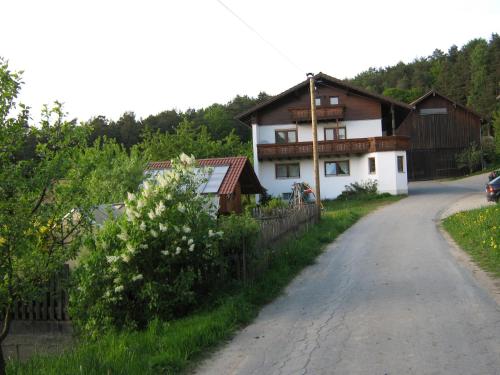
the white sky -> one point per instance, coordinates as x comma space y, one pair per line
106, 57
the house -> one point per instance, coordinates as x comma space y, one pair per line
228, 179
356, 134
439, 128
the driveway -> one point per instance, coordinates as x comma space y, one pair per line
388, 297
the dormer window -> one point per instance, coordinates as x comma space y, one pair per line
317, 101
334, 100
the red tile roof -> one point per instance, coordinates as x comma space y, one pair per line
240, 169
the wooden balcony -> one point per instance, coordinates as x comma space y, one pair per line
303, 150
322, 113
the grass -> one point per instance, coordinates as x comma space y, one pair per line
478, 233
173, 347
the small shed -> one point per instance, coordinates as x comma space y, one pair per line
233, 176
439, 128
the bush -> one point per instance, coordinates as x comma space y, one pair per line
151, 262
469, 158
357, 190
238, 243
276, 203
488, 149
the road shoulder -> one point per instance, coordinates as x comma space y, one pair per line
485, 279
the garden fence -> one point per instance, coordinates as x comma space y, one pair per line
52, 306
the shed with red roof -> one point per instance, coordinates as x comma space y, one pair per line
234, 176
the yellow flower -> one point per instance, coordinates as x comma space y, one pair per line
2, 241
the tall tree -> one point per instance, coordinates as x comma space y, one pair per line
481, 94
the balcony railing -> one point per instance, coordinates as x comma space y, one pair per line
330, 148
322, 113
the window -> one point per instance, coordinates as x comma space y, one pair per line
332, 134
286, 196
337, 168
334, 100
433, 111
317, 101
286, 136
371, 165
401, 161
287, 170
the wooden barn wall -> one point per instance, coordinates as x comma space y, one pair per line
356, 107
436, 139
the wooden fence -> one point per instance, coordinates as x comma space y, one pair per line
276, 223
52, 306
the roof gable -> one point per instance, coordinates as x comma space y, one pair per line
433, 92
320, 77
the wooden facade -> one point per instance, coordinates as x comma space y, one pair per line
293, 105
439, 128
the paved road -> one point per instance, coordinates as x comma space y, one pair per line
387, 297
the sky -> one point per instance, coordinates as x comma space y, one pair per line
106, 57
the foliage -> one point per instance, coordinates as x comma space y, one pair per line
469, 158
238, 244
478, 233
404, 95
488, 149
359, 190
216, 121
107, 171
496, 129
170, 347
276, 203
151, 261
36, 233
469, 75
192, 140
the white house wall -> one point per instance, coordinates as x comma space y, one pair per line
332, 186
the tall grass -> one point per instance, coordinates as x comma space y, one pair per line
172, 347
478, 233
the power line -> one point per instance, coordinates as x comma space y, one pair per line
276, 49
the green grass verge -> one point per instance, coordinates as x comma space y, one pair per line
478, 233
171, 347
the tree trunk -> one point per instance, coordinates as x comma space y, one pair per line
3, 334
2, 361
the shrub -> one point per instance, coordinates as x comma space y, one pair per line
238, 243
488, 149
151, 262
357, 190
276, 203
469, 158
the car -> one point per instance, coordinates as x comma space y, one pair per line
493, 175
493, 190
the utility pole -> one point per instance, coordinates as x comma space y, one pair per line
314, 123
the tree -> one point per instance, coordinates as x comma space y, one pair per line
192, 140
496, 129
36, 233
481, 94
153, 261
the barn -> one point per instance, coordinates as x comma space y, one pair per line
439, 128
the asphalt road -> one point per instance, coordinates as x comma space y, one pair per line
388, 297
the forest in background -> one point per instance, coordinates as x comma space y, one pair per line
470, 75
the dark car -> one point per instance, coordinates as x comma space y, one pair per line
494, 175
493, 190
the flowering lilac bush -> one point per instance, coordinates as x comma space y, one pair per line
153, 261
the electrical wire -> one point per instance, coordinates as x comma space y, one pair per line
276, 49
